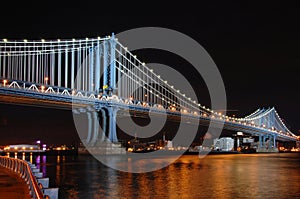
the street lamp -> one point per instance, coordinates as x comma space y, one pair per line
4, 82
46, 80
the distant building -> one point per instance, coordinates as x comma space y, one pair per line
223, 144
22, 148
169, 144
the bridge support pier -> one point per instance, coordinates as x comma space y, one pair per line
112, 124
102, 137
89, 131
267, 145
265, 142
274, 141
95, 128
260, 141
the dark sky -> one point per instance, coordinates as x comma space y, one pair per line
254, 45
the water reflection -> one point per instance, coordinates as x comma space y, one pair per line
30, 158
219, 176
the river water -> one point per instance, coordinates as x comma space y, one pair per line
215, 176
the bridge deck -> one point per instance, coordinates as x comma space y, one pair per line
12, 186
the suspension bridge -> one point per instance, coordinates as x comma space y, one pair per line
103, 74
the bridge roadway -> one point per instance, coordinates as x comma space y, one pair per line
40, 99
12, 186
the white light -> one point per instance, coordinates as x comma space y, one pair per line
99, 38
43, 40
158, 76
172, 86
25, 40
178, 91
58, 40
5, 40
86, 39
125, 48
151, 70
74, 39
134, 56
143, 64
166, 82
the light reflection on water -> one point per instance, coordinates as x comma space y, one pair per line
215, 176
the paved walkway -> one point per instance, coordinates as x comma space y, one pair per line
12, 186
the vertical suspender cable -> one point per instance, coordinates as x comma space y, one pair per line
37, 66
91, 67
119, 75
52, 66
73, 65
66, 67
25, 62
79, 68
59, 67
1, 66
4, 63
97, 68
86, 66
8, 57
41, 76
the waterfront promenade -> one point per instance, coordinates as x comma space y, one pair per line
12, 186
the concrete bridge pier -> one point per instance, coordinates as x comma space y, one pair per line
95, 124
89, 130
102, 137
112, 124
96, 134
267, 143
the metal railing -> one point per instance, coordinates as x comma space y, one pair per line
22, 168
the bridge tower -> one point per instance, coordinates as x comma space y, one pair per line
109, 70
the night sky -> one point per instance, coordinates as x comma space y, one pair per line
255, 46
